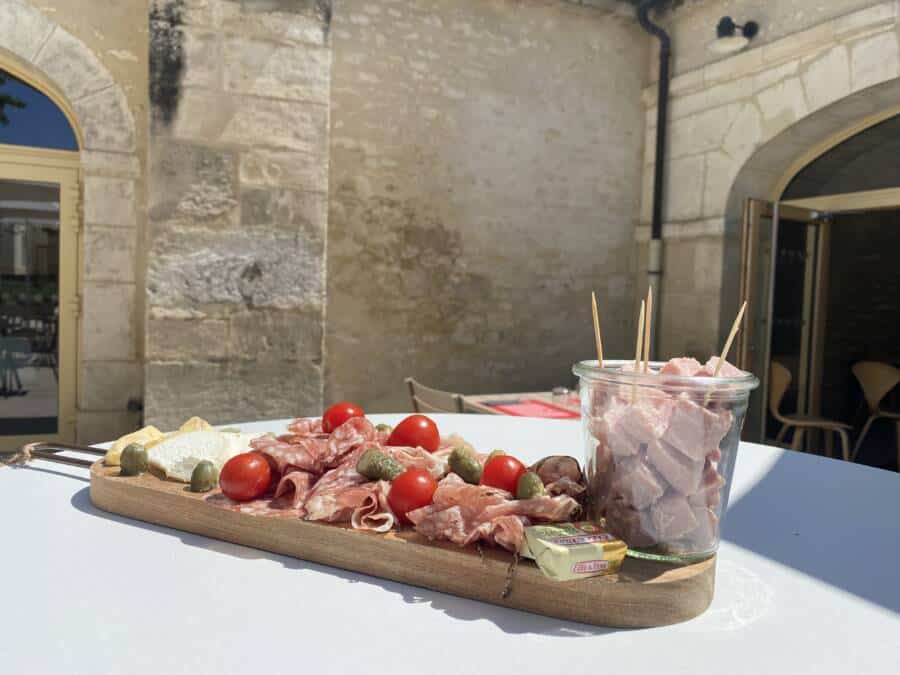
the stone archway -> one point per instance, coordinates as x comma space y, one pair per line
67, 70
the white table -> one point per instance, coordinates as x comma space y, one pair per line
807, 583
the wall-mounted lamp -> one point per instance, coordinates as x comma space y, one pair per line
730, 37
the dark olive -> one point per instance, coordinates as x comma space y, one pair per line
204, 477
133, 461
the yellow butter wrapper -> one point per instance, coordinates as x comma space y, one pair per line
566, 551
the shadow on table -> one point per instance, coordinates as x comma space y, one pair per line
837, 522
508, 620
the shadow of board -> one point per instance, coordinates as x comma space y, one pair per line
510, 621
834, 521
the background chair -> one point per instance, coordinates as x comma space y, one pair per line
779, 381
426, 399
877, 380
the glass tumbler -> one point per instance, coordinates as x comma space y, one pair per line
659, 455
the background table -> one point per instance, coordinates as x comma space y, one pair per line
479, 403
807, 583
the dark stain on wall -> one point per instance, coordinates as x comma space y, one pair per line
166, 59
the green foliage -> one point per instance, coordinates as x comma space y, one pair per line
7, 100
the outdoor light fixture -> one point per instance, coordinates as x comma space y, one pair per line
730, 37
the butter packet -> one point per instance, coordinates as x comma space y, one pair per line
566, 551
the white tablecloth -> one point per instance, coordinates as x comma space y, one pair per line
807, 582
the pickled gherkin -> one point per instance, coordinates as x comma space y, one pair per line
529, 485
464, 464
376, 465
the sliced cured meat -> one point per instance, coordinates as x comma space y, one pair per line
293, 488
419, 458
256, 507
454, 441
351, 434
374, 513
464, 513
306, 427
561, 475
305, 454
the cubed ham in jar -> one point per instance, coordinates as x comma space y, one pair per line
681, 366
672, 517
679, 471
636, 484
632, 526
694, 430
710, 487
727, 370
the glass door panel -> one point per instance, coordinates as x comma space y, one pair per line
29, 307
38, 299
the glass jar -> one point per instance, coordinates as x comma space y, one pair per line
659, 454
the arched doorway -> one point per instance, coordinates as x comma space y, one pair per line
39, 261
818, 262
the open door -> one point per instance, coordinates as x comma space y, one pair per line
783, 258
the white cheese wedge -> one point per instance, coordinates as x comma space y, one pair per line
179, 454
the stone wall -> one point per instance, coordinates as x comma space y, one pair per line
100, 70
484, 179
239, 156
736, 127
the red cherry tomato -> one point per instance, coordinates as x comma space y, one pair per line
411, 490
416, 431
503, 472
339, 413
245, 476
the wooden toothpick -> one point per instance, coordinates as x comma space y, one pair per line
597, 329
647, 323
735, 327
637, 348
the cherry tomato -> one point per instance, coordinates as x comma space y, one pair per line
416, 431
411, 490
339, 413
245, 476
503, 471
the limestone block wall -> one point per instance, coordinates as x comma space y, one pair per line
101, 71
485, 161
736, 126
239, 164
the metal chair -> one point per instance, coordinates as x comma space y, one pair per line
877, 380
426, 399
779, 381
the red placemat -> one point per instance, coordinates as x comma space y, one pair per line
531, 407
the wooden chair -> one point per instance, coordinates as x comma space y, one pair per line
877, 380
426, 399
779, 381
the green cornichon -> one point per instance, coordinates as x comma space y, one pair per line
529, 485
133, 461
494, 453
204, 477
384, 427
463, 463
375, 465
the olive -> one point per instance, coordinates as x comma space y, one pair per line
376, 465
384, 427
529, 485
133, 460
494, 453
464, 464
204, 477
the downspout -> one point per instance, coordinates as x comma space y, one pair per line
654, 264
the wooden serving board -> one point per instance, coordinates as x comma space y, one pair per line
642, 594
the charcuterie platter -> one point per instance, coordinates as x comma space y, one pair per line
642, 594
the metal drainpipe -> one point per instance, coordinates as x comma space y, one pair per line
654, 264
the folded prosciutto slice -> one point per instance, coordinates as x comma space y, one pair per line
419, 458
464, 513
293, 488
374, 513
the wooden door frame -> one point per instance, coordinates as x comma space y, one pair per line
61, 168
